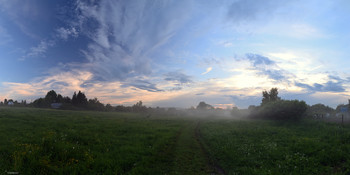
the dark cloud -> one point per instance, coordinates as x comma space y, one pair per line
335, 84
258, 60
142, 84
268, 67
330, 86
338, 79
118, 96
58, 84
278, 75
178, 88
178, 77
87, 84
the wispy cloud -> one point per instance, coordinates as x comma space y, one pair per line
207, 70
5, 37
178, 77
39, 50
142, 84
23, 14
125, 33
65, 33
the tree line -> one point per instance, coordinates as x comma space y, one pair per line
78, 101
275, 108
271, 107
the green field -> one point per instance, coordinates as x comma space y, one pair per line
44, 141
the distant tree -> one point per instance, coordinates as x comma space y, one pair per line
270, 96
266, 97
138, 104
235, 108
66, 100
281, 110
51, 97
81, 99
252, 107
121, 108
109, 107
159, 110
59, 98
40, 103
338, 109
235, 111
74, 99
138, 107
5, 102
94, 104
172, 111
203, 106
319, 109
272, 107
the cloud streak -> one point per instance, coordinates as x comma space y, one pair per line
125, 33
178, 77
5, 37
207, 71
39, 50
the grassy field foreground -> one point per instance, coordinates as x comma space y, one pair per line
43, 141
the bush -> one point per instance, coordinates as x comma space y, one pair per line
319, 109
281, 110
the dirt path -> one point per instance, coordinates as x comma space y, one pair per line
190, 155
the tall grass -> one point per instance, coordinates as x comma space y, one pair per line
37, 141
265, 147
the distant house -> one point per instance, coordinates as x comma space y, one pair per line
10, 103
56, 105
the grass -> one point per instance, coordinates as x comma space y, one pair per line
45, 141
37, 141
265, 147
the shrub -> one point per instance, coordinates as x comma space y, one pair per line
281, 110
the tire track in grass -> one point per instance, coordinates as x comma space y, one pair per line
213, 163
163, 161
190, 155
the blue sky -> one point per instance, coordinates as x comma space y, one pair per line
176, 53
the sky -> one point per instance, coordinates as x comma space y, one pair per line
176, 53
